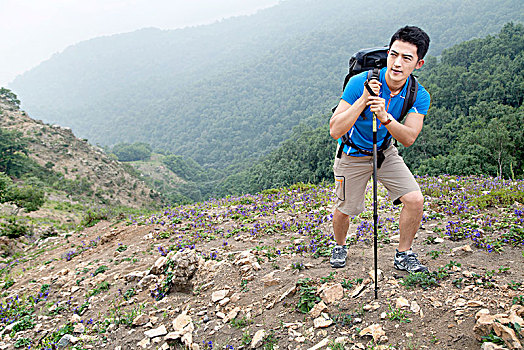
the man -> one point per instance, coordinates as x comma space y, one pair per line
353, 118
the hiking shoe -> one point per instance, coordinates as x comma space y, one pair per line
338, 256
408, 261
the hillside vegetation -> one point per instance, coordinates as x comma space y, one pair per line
51, 181
227, 93
253, 272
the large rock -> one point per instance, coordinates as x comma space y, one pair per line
508, 335
182, 265
487, 323
332, 293
375, 330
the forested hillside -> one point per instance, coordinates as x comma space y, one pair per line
474, 125
227, 93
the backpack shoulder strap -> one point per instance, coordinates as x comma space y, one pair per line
411, 96
409, 100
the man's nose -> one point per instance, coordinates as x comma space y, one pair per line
397, 61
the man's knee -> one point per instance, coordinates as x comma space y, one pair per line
413, 200
338, 215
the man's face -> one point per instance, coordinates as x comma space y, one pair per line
402, 60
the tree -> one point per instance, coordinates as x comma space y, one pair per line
25, 196
13, 149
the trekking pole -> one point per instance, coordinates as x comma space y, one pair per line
375, 209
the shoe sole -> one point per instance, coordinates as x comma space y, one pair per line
402, 268
337, 265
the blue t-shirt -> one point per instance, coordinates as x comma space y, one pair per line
361, 133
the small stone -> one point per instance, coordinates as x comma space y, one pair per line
475, 303
318, 309
66, 340
491, 346
480, 313
414, 307
462, 249
156, 332
144, 343
159, 266
258, 338
181, 322
379, 273
401, 302
76, 318
357, 290
219, 295
321, 344
270, 280
322, 322
140, 320
508, 335
79, 328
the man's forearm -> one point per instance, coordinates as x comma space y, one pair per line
343, 120
405, 133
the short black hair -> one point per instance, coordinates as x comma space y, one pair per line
413, 35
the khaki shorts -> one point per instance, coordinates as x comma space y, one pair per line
353, 173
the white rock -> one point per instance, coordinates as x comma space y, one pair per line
401, 302
323, 342
414, 307
219, 295
258, 338
156, 332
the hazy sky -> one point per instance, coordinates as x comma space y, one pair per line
33, 30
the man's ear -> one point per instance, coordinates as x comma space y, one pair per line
420, 63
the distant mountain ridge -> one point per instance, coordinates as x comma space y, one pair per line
239, 86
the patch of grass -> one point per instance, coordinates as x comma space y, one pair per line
24, 323
101, 287
131, 292
421, 279
519, 299
307, 295
348, 284
121, 248
328, 278
246, 338
395, 314
100, 269
22, 343
270, 340
240, 323
498, 197
434, 254
298, 266
343, 319
514, 285
492, 338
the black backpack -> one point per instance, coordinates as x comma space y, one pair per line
372, 60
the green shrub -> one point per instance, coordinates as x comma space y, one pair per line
15, 228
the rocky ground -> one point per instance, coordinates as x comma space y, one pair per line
253, 272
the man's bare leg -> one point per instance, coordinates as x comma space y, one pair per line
409, 223
340, 229
340, 226
410, 218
